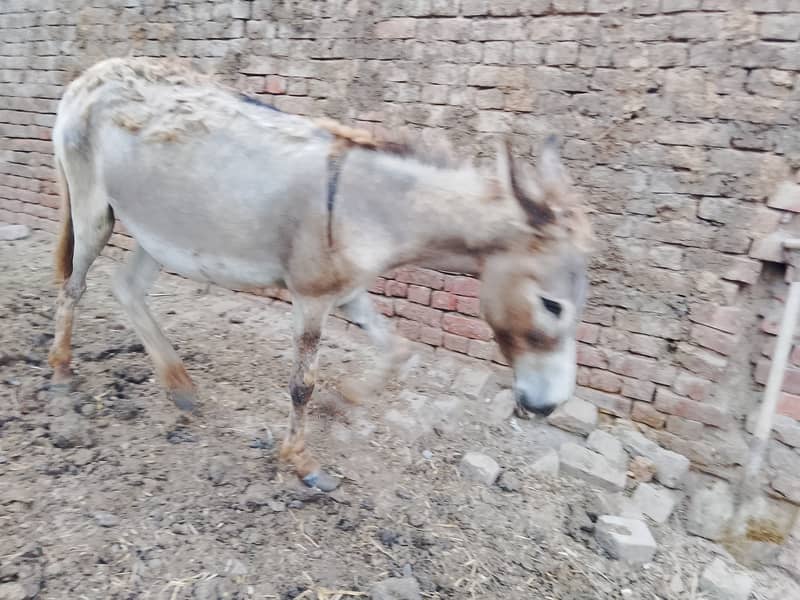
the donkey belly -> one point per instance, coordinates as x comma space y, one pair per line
210, 210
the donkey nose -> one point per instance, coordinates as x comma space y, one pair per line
536, 404
542, 410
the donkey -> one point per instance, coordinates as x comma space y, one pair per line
219, 187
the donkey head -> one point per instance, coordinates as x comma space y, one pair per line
534, 291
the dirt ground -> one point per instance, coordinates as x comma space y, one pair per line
104, 494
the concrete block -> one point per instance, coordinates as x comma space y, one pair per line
671, 467
575, 415
718, 582
710, 510
10, 233
548, 464
607, 445
473, 382
592, 467
655, 501
629, 540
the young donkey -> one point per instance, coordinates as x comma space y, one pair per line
218, 187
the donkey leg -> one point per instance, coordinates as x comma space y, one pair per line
309, 317
394, 351
131, 284
90, 236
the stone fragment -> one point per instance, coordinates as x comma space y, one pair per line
70, 431
479, 467
105, 519
590, 466
655, 502
575, 415
607, 445
629, 540
257, 494
396, 588
718, 582
473, 382
502, 407
710, 510
547, 464
616, 504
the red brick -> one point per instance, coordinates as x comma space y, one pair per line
605, 381
791, 378
713, 339
468, 306
789, 405
637, 389
614, 339
647, 345
384, 305
701, 362
417, 312
419, 294
588, 333
479, 349
469, 327
378, 286
396, 289
609, 403
274, 84
424, 277
444, 300
456, 343
685, 428
644, 412
600, 315
397, 28
582, 376
430, 335
630, 365
498, 357
692, 386
744, 270
724, 318
795, 358
590, 356
462, 286
673, 404
408, 329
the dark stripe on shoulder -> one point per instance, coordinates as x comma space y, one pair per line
257, 102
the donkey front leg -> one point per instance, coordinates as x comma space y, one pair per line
130, 287
394, 352
309, 317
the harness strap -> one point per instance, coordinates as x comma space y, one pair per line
335, 162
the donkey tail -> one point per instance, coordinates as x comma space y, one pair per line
66, 235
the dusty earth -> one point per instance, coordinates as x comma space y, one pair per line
104, 493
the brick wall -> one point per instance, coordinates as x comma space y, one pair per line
680, 120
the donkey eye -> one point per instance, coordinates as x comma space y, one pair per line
552, 306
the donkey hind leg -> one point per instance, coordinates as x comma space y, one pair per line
309, 317
131, 284
91, 233
394, 352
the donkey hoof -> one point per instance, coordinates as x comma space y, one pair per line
184, 400
322, 481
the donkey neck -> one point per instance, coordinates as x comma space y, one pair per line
442, 218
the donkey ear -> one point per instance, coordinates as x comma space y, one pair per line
523, 187
505, 163
552, 174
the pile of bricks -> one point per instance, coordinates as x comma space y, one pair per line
679, 121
